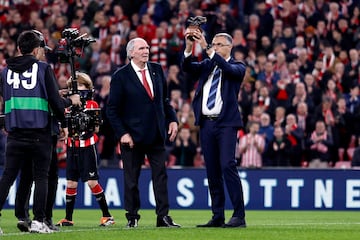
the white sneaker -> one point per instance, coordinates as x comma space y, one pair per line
1, 232
39, 227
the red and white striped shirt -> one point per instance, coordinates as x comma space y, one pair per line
83, 142
251, 156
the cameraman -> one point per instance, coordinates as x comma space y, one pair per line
25, 183
30, 93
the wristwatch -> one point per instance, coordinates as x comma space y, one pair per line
208, 47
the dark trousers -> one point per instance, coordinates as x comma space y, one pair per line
34, 152
24, 188
133, 158
218, 146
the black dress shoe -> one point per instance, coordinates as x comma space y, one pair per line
166, 221
212, 223
132, 223
235, 222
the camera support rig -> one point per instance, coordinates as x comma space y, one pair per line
69, 46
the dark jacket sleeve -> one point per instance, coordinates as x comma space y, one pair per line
114, 107
56, 102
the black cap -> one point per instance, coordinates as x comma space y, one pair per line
42, 40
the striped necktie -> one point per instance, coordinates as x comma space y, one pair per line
213, 88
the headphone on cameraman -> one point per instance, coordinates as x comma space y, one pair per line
42, 40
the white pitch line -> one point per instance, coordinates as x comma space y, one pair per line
115, 228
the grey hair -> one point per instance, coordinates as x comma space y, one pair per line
130, 47
227, 36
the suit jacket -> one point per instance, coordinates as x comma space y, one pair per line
232, 75
131, 110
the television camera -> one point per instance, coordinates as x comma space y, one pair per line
84, 119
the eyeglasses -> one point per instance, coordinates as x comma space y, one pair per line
220, 45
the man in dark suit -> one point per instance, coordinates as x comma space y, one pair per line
138, 111
217, 112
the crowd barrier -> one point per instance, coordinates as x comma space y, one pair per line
264, 189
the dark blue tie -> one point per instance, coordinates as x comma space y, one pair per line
213, 89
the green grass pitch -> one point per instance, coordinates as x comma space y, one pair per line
267, 225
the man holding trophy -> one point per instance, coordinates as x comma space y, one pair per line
217, 113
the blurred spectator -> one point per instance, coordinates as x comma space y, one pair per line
311, 42
184, 12
282, 92
305, 65
103, 67
279, 148
300, 26
288, 39
299, 45
255, 114
146, 29
186, 118
99, 28
154, 9
113, 44
266, 130
239, 41
277, 30
184, 150
175, 36
332, 90
304, 119
265, 45
351, 70
265, 101
176, 100
269, 76
281, 66
342, 135
280, 115
265, 18
58, 27
175, 80
328, 59
158, 47
245, 99
333, 16
319, 145
295, 135
286, 12
327, 112
312, 90
252, 32
251, 147
223, 21
300, 96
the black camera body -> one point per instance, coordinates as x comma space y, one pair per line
82, 121
71, 44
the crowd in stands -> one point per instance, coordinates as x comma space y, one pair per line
299, 100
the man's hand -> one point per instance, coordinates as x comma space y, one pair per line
75, 100
127, 140
189, 43
173, 129
64, 133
